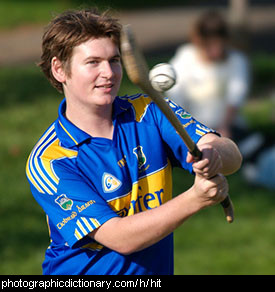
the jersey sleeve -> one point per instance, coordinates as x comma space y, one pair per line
177, 150
75, 209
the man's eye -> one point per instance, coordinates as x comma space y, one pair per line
93, 62
116, 60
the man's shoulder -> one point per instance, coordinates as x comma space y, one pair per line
40, 164
139, 98
137, 103
46, 137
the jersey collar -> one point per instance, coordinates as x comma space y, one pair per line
120, 105
70, 135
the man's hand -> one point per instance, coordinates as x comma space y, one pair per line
210, 164
210, 186
210, 192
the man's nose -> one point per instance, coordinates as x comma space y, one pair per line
106, 70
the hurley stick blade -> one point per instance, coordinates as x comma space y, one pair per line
138, 72
133, 60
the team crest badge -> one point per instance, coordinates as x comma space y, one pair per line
138, 151
64, 202
110, 183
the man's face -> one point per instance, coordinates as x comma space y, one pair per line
96, 73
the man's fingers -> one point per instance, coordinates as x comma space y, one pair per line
200, 165
209, 165
208, 170
219, 186
189, 158
222, 187
212, 169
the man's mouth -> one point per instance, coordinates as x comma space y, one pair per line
104, 86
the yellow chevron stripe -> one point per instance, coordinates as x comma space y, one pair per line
88, 225
39, 180
93, 246
81, 227
42, 174
95, 222
200, 132
54, 152
77, 234
30, 177
140, 106
29, 167
203, 128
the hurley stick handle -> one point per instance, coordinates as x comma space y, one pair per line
228, 209
226, 203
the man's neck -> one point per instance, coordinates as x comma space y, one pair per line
96, 121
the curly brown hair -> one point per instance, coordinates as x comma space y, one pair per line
69, 30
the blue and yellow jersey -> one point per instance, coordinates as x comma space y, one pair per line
82, 181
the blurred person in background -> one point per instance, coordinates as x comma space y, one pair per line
212, 77
213, 81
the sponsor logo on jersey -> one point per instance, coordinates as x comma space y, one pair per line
147, 193
138, 151
64, 202
110, 183
64, 221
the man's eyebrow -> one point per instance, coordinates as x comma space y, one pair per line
92, 58
100, 58
116, 56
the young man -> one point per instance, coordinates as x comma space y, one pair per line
102, 170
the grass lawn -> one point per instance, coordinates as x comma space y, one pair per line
205, 244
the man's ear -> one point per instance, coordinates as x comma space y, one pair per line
58, 70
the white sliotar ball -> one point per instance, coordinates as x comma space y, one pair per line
162, 77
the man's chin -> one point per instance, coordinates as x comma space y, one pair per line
105, 100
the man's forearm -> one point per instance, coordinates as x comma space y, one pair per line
230, 154
133, 233
228, 150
